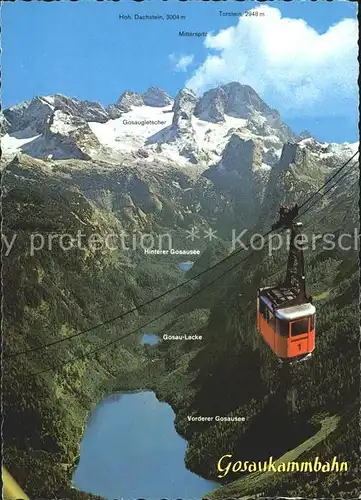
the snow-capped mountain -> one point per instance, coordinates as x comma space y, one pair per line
219, 155
186, 130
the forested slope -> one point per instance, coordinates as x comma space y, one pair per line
235, 374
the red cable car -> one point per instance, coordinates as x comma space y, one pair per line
285, 314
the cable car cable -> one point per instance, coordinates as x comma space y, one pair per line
163, 294
328, 190
126, 313
329, 180
118, 339
285, 262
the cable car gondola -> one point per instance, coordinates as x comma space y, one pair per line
285, 313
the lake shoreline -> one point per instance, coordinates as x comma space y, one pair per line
113, 403
137, 385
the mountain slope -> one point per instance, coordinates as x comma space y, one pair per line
234, 374
149, 165
53, 292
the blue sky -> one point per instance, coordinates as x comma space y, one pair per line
83, 50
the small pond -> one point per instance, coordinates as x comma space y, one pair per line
150, 339
185, 266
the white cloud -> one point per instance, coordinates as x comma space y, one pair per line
181, 63
293, 67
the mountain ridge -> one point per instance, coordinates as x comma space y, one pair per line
187, 129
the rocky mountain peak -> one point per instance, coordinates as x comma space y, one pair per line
35, 114
181, 131
241, 101
184, 105
129, 99
233, 99
4, 125
242, 155
32, 114
156, 97
211, 107
88, 111
293, 154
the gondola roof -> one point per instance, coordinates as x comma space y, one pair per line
278, 296
295, 312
